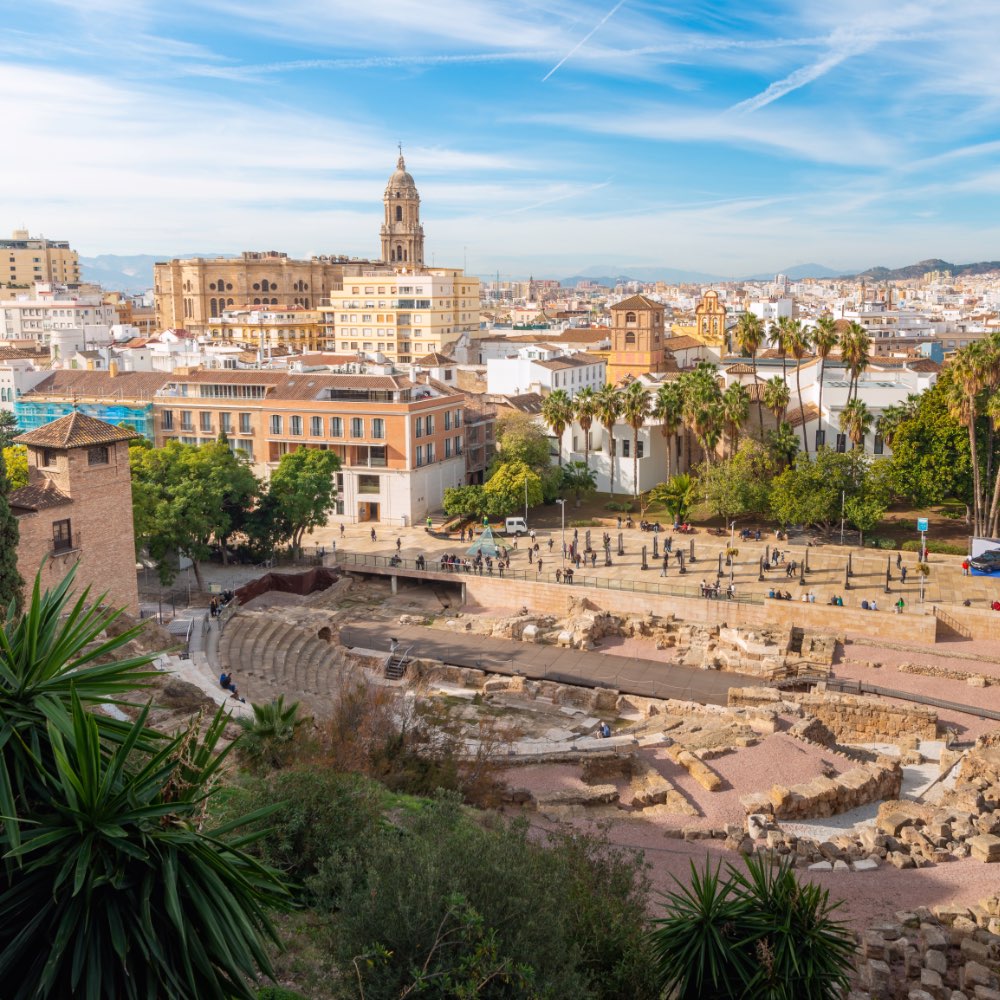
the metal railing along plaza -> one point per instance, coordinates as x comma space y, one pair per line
456, 571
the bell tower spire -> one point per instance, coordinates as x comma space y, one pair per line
402, 234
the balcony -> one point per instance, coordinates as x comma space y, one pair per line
65, 543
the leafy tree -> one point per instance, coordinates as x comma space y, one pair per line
520, 439
678, 495
303, 490
504, 491
557, 412
810, 491
739, 485
864, 512
8, 429
464, 501
578, 478
16, 460
931, 460
757, 934
636, 404
11, 584
112, 884
266, 741
184, 497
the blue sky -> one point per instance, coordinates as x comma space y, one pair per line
544, 137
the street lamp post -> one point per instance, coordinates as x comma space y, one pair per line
562, 506
525, 498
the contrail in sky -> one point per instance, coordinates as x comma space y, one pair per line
586, 38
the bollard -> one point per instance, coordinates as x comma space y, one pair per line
621, 544
767, 553
847, 577
805, 560
760, 571
691, 553
645, 565
719, 572
850, 564
888, 570
802, 574
656, 551
587, 539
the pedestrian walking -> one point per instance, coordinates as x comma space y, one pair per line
902, 574
539, 563
552, 542
531, 556
341, 531
666, 562
399, 543
373, 534
899, 560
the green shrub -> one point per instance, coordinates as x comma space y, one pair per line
620, 507
942, 548
442, 888
886, 544
587, 522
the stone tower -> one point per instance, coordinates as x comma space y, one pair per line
402, 235
710, 319
637, 336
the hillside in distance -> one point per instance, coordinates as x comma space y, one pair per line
919, 269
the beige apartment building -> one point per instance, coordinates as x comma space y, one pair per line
401, 444
265, 328
404, 314
26, 259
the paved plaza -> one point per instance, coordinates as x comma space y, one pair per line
825, 578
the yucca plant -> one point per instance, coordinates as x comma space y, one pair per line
47, 653
111, 886
119, 891
753, 935
267, 740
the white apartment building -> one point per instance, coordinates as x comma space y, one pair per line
772, 309
402, 316
33, 319
539, 368
17, 377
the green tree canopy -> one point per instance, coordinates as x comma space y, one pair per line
678, 495
504, 491
11, 583
303, 491
464, 501
578, 478
8, 429
809, 492
185, 497
16, 460
520, 439
739, 485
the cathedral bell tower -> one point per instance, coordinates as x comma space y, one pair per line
402, 235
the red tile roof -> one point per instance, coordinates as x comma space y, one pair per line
75, 430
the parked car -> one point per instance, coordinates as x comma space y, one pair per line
986, 562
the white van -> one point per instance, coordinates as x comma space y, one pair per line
515, 525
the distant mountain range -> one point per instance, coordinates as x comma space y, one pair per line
131, 272
922, 267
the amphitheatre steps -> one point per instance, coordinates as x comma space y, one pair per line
275, 656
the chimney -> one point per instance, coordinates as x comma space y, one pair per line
112, 368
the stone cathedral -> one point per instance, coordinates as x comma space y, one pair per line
402, 234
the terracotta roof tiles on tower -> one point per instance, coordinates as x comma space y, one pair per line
75, 430
637, 302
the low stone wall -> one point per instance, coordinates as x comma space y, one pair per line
828, 796
851, 718
972, 678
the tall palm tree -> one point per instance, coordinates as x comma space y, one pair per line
776, 397
668, 408
781, 336
702, 405
855, 421
893, 417
783, 443
854, 347
749, 336
585, 409
557, 412
609, 409
825, 339
636, 405
798, 342
968, 377
735, 410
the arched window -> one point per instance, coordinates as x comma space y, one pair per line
229, 302
399, 251
256, 302
629, 317
213, 305
399, 213
265, 285
392, 255
274, 302
404, 255
630, 340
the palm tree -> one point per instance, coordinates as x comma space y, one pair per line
678, 494
749, 336
825, 339
609, 409
776, 397
585, 409
783, 443
668, 408
266, 740
735, 410
968, 377
702, 405
893, 417
782, 336
855, 421
557, 412
798, 341
636, 405
578, 478
854, 346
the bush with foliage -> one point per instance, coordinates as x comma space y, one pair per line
568, 917
112, 884
940, 548
757, 934
267, 740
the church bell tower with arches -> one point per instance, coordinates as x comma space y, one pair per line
402, 234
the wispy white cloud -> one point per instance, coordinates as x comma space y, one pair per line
586, 38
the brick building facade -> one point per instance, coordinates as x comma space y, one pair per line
77, 507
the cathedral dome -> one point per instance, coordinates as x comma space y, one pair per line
401, 180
